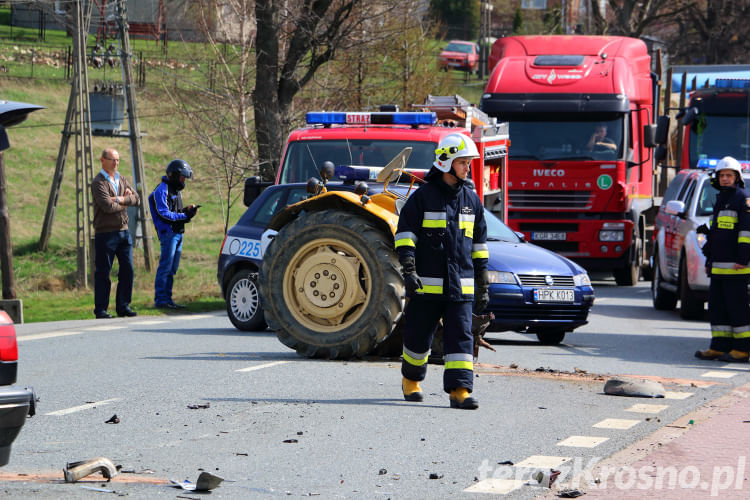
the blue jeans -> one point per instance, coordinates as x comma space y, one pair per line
107, 246
171, 250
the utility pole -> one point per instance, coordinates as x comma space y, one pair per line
135, 135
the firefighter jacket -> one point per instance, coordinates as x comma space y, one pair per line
167, 212
444, 230
729, 235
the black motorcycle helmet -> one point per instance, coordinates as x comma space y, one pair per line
176, 169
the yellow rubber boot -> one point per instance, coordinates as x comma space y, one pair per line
412, 390
460, 399
735, 356
709, 354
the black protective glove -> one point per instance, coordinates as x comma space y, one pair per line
481, 291
190, 212
412, 281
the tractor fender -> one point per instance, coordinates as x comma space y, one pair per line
338, 200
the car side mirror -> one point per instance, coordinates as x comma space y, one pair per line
253, 187
675, 207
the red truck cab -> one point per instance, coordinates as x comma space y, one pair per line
580, 110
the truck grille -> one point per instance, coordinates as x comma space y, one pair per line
546, 200
538, 280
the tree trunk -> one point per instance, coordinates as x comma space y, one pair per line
6, 249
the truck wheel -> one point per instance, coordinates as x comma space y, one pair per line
663, 300
331, 285
691, 307
551, 337
243, 302
628, 275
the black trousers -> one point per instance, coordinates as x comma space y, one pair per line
729, 313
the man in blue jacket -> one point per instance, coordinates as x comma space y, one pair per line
727, 252
441, 241
169, 218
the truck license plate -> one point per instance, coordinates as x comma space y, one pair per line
554, 236
553, 295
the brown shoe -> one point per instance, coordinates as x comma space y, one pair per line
709, 354
734, 356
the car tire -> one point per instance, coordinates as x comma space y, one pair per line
332, 247
663, 300
551, 337
243, 302
691, 307
628, 275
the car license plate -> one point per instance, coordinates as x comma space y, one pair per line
553, 295
454, 64
554, 236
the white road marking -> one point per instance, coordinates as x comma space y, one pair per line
260, 367
152, 322
201, 316
582, 441
715, 374
105, 328
496, 486
735, 366
82, 407
616, 423
542, 462
645, 408
677, 395
49, 335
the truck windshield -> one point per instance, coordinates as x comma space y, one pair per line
304, 158
713, 137
537, 136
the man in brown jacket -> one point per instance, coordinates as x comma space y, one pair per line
112, 194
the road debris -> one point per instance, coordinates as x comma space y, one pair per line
100, 490
382, 472
114, 419
570, 493
545, 478
634, 388
76, 470
435, 475
479, 325
206, 482
199, 406
290, 441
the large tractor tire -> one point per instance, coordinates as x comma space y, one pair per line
331, 285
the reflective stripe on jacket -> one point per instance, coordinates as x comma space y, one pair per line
445, 231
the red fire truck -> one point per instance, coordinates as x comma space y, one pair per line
580, 110
373, 138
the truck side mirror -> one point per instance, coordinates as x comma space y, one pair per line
649, 136
690, 115
660, 153
662, 129
253, 187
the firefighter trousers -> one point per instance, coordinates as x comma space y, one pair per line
422, 318
729, 313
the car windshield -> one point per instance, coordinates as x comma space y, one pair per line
714, 137
540, 136
497, 230
458, 47
304, 158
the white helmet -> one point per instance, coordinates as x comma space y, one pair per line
454, 146
729, 163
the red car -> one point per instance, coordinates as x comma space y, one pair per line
15, 403
460, 55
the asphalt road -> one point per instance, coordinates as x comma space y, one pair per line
273, 424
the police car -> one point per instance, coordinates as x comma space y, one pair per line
532, 290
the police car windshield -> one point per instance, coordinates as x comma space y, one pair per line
544, 136
714, 137
496, 230
304, 158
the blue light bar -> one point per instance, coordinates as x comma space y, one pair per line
732, 83
379, 118
712, 162
355, 173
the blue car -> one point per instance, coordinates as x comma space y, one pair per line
532, 290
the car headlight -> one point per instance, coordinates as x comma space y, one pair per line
582, 280
701, 239
502, 277
609, 235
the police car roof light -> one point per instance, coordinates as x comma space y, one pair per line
379, 118
712, 162
732, 83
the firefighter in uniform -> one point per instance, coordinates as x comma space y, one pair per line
727, 254
441, 241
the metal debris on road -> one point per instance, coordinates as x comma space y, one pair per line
114, 419
199, 406
206, 482
634, 388
435, 475
76, 470
570, 493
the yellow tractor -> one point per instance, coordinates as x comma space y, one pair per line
330, 281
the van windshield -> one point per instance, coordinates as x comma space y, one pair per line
713, 137
304, 158
593, 136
